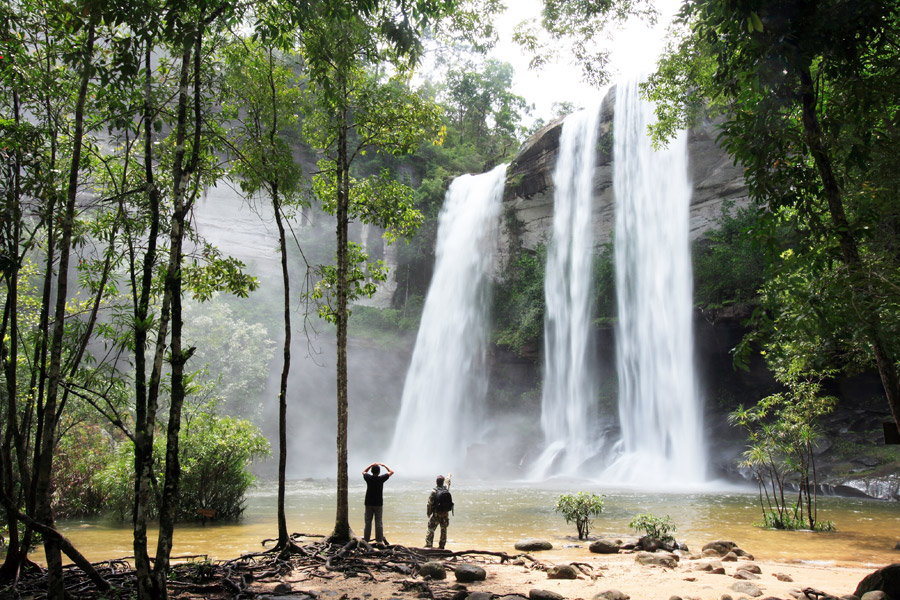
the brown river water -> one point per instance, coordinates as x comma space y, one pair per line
494, 515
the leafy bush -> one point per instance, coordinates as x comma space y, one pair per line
79, 458
654, 527
215, 455
728, 263
579, 508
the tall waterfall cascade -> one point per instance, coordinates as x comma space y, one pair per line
660, 410
567, 401
440, 413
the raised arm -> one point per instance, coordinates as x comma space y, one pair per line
389, 470
366, 470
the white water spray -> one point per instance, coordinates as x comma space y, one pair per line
567, 402
660, 411
446, 381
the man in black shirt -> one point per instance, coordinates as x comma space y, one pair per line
374, 500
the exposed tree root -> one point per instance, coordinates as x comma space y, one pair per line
252, 575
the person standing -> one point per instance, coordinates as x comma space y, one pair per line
440, 504
374, 499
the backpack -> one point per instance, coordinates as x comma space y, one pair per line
443, 501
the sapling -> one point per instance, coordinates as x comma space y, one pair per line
579, 508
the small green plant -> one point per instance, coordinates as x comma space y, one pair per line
654, 527
579, 508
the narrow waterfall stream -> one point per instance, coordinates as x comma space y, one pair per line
660, 410
567, 401
446, 381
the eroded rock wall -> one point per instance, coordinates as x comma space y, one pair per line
528, 198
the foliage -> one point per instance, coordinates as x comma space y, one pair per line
807, 94
655, 527
579, 508
782, 431
729, 264
574, 28
82, 454
519, 300
216, 454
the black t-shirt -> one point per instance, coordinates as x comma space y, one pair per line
374, 487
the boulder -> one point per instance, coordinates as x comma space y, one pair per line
720, 547
709, 566
663, 559
745, 587
730, 557
282, 588
604, 547
751, 568
533, 545
742, 553
875, 595
612, 595
480, 596
467, 573
562, 572
886, 579
512, 597
783, 577
742, 574
544, 595
433, 569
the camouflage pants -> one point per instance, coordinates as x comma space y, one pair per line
437, 518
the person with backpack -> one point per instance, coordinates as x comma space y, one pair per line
374, 500
440, 505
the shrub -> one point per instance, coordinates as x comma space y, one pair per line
215, 454
579, 508
654, 527
78, 459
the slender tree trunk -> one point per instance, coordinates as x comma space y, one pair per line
283, 537
48, 437
815, 139
145, 408
173, 288
342, 530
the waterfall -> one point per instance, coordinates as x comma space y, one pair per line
567, 401
446, 381
659, 408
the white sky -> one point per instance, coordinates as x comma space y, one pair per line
634, 49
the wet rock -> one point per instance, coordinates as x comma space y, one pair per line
720, 547
783, 577
604, 547
742, 553
663, 559
612, 595
562, 572
875, 595
433, 569
544, 595
745, 587
467, 573
886, 579
533, 545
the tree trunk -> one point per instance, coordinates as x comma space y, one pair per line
815, 139
283, 537
173, 288
342, 531
55, 588
145, 403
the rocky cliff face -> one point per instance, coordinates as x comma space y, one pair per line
528, 198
